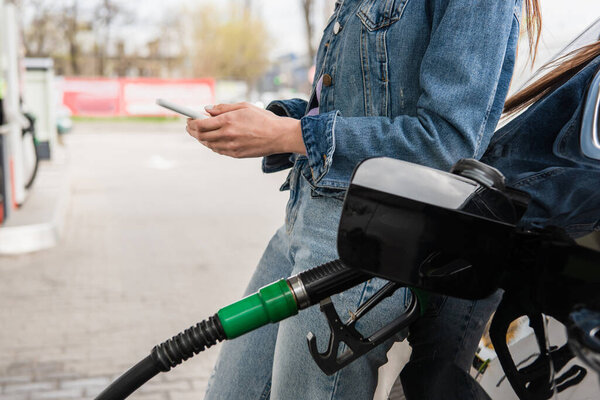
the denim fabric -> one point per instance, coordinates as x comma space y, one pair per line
422, 81
247, 364
273, 362
539, 153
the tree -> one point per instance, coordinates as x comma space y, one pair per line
71, 27
53, 30
43, 33
106, 14
307, 7
234, 47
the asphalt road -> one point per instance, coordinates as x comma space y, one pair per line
160, 233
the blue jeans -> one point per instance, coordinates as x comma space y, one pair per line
274, 362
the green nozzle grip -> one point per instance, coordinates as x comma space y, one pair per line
423, 297
271, 303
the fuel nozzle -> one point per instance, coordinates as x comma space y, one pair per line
270, 304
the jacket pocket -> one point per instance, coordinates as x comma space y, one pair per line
376, 14
317, 191
376, 19
536, 177
562, 196
567, 144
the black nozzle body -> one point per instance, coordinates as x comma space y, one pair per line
329, 279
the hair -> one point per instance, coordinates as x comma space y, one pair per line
561, 70
533, 20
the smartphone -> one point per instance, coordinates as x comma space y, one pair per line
180, 109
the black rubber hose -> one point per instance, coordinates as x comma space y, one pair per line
131, 380
165, 356
329, 279
31, 129
320, 282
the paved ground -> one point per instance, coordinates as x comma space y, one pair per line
159, 234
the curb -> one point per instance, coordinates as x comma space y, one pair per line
39, 222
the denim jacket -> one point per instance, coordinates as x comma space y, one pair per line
539, 152
419, 80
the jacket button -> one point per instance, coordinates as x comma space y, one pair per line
327, 80
336, 28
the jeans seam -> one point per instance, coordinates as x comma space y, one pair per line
336, 380
266, 393
337, 374
293, 206
464, 335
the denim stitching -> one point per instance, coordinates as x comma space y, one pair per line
465, 330
336, 381
388, 9
330, 136
338, 373
365, 69
293, 205
309, 140
537, 177
266, 394
385, 67
325, 56
364, 15
388, 18
490, 103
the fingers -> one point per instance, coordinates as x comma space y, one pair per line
219, 143
223, 108
206, 125
209, 137
208, 130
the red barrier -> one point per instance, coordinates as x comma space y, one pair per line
135, 96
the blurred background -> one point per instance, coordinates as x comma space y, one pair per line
118, 230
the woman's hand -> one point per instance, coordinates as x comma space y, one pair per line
242, 130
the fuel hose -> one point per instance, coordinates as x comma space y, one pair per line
272, 303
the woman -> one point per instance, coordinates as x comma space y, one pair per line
423, 81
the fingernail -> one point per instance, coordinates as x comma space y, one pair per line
209, 107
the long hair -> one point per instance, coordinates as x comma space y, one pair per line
533, 21
561, 71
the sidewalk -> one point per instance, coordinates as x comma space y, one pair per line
159, 234
38, 223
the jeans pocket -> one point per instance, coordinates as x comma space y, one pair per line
567, 144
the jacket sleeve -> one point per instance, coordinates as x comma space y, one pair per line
471, 44
293, 108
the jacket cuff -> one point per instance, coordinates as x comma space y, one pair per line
318, 133
294, 108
